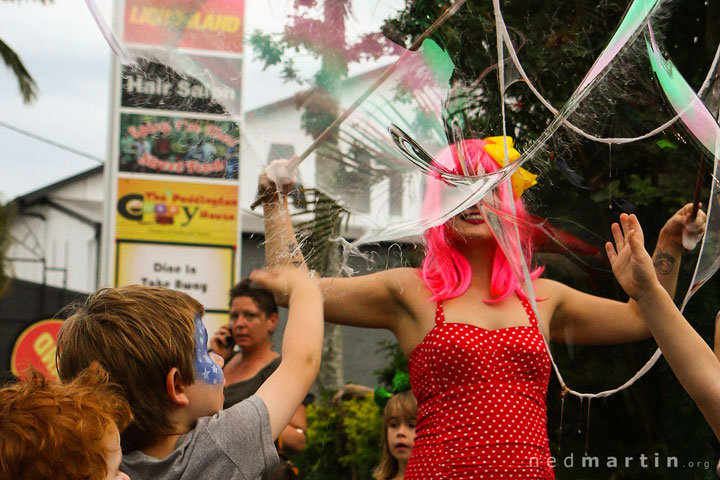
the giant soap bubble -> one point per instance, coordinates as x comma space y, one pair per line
591, 97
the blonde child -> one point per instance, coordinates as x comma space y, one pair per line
398, 436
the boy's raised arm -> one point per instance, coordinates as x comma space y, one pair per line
686, 352
285, 390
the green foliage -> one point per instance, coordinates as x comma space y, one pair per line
272, 52
342, 441
269, 51
397, 363
362, 423
26, 84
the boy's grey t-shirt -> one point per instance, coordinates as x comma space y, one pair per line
232, 444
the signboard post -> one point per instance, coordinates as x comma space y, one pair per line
173, 175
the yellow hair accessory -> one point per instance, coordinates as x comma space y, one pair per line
522, 179
499, 141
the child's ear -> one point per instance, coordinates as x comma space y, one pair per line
175, 388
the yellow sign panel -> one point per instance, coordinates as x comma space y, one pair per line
175, 212
204, 273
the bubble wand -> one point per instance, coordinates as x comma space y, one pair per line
689, 239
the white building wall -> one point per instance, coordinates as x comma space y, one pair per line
60, 237
279, 123
275, 124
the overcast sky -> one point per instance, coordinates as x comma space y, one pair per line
64, 51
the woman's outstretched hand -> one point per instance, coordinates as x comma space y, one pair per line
631, 263
278, 178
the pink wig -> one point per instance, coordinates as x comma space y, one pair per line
445, 270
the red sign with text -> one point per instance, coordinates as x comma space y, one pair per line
215, 25
36, 347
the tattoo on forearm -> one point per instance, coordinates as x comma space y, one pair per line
292, 250
663, 262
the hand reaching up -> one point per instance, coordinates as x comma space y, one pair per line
631, 263
285, 389
279, 177
685, 230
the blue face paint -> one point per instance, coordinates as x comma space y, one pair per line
206, 369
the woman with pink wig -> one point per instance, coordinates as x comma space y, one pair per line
478, 363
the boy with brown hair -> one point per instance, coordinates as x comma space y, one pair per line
154, 344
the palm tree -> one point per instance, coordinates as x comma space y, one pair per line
28, 88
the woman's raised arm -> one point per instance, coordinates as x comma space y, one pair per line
373, 301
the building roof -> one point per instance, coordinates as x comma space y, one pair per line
41, 193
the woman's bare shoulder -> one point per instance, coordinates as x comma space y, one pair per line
406, 280
407, 287
547, 284
550, 290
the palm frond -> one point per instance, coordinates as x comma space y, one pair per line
314, 234
26, 83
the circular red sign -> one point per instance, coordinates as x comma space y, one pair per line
36, 347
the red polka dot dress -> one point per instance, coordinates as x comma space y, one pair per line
481, 402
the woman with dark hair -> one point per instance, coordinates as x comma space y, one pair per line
477, 357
